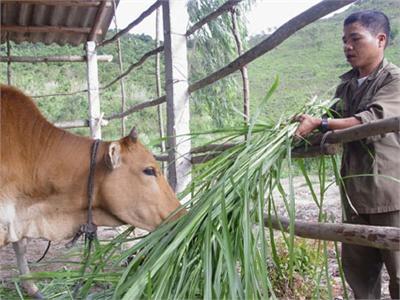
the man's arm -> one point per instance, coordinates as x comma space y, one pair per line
309, 123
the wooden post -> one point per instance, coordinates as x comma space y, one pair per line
93, 90
8, 63
175, 19
158, 86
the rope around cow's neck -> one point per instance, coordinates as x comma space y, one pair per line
89, 229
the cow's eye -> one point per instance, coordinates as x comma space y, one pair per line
150, 171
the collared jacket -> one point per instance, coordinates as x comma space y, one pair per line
371, 167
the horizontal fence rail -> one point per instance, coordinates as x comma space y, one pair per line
329, 146
48, 59
76, 124
381, 237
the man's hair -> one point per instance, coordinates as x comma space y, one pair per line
374, 21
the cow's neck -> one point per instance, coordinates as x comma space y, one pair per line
55, 196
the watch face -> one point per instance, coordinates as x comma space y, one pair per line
324, 124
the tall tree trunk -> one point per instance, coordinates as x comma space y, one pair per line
121, 82
243, 70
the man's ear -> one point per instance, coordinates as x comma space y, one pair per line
113, 156
382, 40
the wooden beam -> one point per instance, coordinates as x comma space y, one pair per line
281, 34
48, 29
143, 15
48, 59
212, 147
314, 151
381, 237
76, 124
331, 145
358, 132
97, 21
135, 65
136, 108
72, 124
79, 3
215, 14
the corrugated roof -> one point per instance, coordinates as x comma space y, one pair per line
55, 21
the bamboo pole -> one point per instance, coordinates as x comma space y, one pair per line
120, 64
381, 237
243, 70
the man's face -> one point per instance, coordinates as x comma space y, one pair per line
361, 47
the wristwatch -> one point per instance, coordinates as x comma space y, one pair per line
324, 124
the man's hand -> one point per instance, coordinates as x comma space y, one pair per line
307, 124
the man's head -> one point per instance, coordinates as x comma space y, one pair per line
366, 35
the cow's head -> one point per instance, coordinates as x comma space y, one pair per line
134, 190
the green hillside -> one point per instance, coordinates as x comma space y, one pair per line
308, 64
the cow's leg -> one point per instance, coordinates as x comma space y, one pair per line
28, 285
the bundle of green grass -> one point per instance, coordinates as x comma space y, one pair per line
220, 248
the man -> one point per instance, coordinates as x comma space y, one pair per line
370, 91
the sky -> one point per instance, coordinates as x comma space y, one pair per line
265, 14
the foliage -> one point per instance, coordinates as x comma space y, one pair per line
219, 249
219, 99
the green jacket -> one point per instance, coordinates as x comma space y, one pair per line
378, 97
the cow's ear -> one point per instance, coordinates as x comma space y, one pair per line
133, 135
113, 156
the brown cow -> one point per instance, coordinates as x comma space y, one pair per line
44, 173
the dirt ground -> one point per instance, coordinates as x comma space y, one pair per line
306, 210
